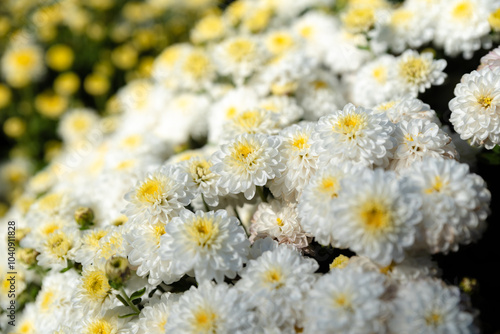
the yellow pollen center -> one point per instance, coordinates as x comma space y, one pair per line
248, 119
96, 285
197, 65
340, 262
99, 327
46, 300
329, 186
25, 58
241, 50
380, 74
462, 10
58, 244
300, 142
437, 185
231, 112
401, 17
159, 231
485, 101
132, 141
242, 152
414, 70
387, 106
279, 221
205, 321
376, 216
350, 124
306, 31
433, 319
274, 277
150, 191
203, 231
50, 202
80, 124
319, 84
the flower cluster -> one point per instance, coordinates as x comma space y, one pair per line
278, 174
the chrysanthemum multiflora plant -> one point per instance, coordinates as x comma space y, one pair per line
279, 174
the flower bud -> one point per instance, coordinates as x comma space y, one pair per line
84, 216
117, 269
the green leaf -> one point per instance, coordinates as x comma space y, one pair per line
120, 298
138, 294
127, 315
136, 301
114, 285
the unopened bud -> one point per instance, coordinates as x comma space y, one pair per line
117, 269
27, 255
84, 216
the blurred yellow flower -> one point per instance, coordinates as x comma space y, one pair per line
22, 63
5, 96
50, 105
14, 127
494, 20
209, 28
145, 66
96, 84
258, 20
67, 83
124, 57
59, 57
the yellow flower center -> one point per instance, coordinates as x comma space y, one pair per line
95, 285
376, 216
319, 84
437, 185
414, 69
359, 19
274, 277
132, 141
433, 319
47, 299
248, 119
380, 74
150, 191
197, 65
463, 10
242, 153
339, 262
387, 105
485, 101
231, 112
205, 321
350, 124
329, 186
99, 327
401, 17
58, 244
241, 50
93, 238
494, 20
300, 142
280, 42
25, 58
306, 31
159, 231
203, 231
280, 222
50, 202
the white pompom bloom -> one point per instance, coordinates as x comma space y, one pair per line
154, 316
407, 108
300, 161
346, 300
355, 134
160, 196
144, 240
417, 72
76, 124
455, 203
463, 26
248, 161
59, 247
276, 283
318, 198
212, 244
210, 308
284, 108
418, 139
475, 108
429, 306
280, 221
375, 215
205, 181
491, 60
255, 120
108, 323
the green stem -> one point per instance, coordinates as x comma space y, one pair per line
129, 302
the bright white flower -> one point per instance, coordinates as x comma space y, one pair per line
112, 244
165, 64
346, 300
108, 323
281, 222
375, 215
204, 180
320, 94
77, 123
300, 161
248, 161
89, 247
144, 240
474, 110
93, 294
212, 244
154, 316
375, 82
284, 108
355, 134
407, 108
59, 247
348, 54
491, 60
239, 57
463, 26
276, 283
22, 62
318, 199
417, 72
160, 196
195, 70
250, 121
429, 306
210, 308
418, 139
455, 203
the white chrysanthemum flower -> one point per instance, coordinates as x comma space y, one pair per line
355, 134
22, 62
93, 294
300, 161
280, 221
111, 244
165, 64
407, 108
276, 283
212, 244
375, 215
280, 41
374, 82
284, 108
108, 323
417, 140
248, 161
429, 306
154, 316
77, 123
475, 108
58, 247
491, 60
144, 240
255, 120
89, 247
318, 198
195, 70
39, 233
463, 26
320, 94
349, 53
346, 300
160, 196
210, 308
455, 203
417, 72
239, 57
204, 180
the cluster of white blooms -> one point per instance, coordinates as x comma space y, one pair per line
284, 130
